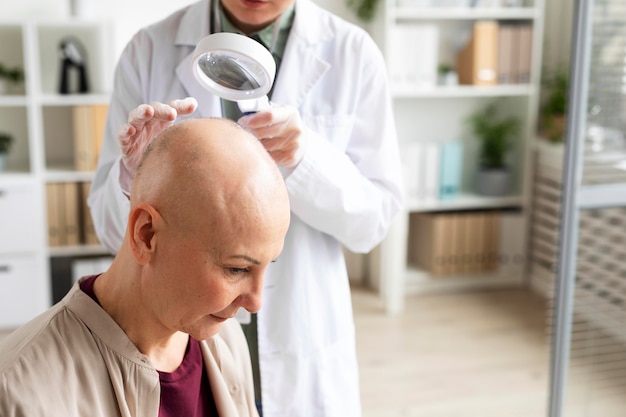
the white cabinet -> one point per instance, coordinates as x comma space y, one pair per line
428, 111
20, 221
23, 291
40, 120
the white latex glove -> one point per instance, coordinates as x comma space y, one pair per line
280, 131
144, 123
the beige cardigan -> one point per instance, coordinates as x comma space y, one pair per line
74, 360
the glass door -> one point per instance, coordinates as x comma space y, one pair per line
588, 367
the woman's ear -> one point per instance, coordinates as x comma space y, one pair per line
142, 223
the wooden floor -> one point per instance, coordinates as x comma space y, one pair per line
476, 354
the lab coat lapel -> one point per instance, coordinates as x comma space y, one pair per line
300, 70
301, 67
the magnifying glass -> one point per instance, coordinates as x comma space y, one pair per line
235, 67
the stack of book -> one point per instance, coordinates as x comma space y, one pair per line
468, 242
454, 243
496, 53
432, 170
69, 219
88, 130
413, 55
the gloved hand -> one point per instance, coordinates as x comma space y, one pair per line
281, 132
144, 123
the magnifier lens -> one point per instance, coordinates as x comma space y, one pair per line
234, 66
231, 72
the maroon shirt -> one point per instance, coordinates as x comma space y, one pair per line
186, 391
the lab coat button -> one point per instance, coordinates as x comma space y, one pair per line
233, 389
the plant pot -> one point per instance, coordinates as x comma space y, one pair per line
493, 182
3, 161
553, 127
449, 78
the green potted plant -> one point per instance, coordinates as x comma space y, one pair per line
494, 134
10, 76
365, 9
554, 104
447, 74
5, 144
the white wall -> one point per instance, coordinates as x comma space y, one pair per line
127, 15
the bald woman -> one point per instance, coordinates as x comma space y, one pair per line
154, 334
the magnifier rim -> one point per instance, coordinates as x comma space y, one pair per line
239, 46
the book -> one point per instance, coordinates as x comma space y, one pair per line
450, 169
476, 241
88, 131
524, 52
100, 117
71, 219
88, 231
412, 166
459, 250
492, 241
477, 62
506, 53
54, 223
431, 242
448, 243
431, 161
465, 244
512, 261
415, 67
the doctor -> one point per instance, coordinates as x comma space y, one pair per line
331, 130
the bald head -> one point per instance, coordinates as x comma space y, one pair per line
211, 167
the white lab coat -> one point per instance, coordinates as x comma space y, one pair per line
345, 191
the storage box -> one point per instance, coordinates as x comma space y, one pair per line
455, 243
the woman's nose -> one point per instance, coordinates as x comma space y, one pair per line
251, 299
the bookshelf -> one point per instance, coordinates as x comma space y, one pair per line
43, 155
428, 111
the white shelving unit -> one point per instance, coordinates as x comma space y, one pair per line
40, 120
439, 113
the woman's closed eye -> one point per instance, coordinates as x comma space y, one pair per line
237, 271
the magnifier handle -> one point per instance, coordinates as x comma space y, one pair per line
254, 105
